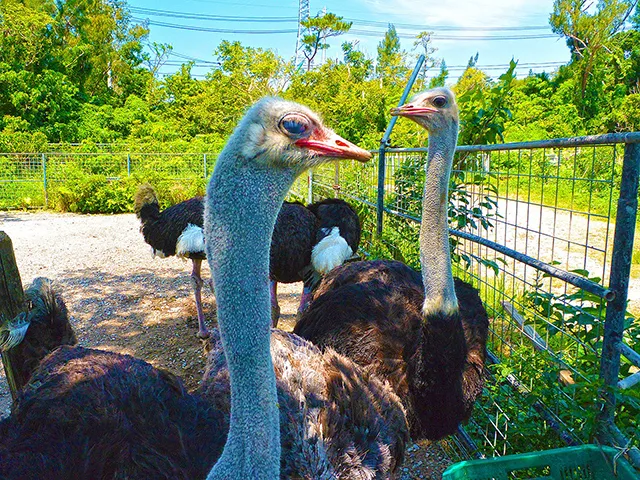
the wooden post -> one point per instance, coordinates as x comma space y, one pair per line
11, 304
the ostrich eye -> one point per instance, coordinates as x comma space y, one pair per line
440, 102
294, 124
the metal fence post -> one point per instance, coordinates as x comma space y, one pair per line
385, 142
128, 165
204, 165
310, 186
381, 174
619, 281
44, 181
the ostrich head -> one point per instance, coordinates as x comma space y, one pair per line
278, 133
434, 109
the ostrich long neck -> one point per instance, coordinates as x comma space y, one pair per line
243, 203
435, 258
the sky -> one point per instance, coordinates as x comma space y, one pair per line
461, 28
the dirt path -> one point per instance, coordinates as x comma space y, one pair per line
576, 241
122, 299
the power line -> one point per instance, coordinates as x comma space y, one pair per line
212, 30
192, 59
422, 27
225, 3
203, 16
356, 21
352, 32
436, 36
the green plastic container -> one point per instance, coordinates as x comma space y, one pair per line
586, 462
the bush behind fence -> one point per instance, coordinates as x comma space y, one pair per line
99, 182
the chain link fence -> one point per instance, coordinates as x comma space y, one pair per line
58, 179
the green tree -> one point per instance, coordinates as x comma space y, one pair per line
96, 43
423, 41
484, 108
391, 59
441, 78
357, 62
635, 19
588, 37
321, 27
25, 43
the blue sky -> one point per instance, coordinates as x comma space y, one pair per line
461, 28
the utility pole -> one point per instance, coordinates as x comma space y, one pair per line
303, 14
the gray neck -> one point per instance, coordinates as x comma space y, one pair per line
435, 257
242, 205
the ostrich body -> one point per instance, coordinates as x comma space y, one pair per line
335, 212
309, 242
422, 332
177, 230
337, 238
90, 414
127, 419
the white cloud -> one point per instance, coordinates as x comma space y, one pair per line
464, 13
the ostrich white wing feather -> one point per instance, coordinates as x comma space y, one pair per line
330, 252
190, 241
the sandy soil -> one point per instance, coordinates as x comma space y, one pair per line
122, 299
574, 240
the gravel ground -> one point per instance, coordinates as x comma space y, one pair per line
122, 299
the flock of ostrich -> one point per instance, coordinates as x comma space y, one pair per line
380, 352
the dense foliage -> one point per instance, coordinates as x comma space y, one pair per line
82, 71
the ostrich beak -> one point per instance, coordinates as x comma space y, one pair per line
411, 110
333, 145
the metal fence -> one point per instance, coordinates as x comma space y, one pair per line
29, 180
536, 229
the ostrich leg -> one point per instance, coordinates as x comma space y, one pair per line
197, 282
275, 308
304, 299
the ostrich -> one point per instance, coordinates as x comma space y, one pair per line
308, 242
88, 413
424, 333
273, 144
92, 414
47, 322
337, 238
177, 231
